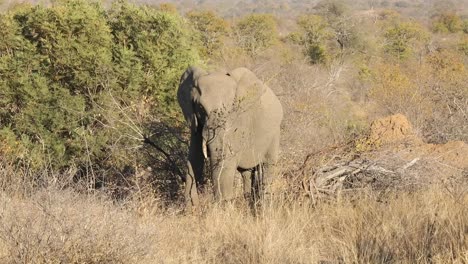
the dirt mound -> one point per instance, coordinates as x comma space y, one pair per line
395, 134
396, 158
391, 129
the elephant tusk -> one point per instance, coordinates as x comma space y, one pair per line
204, 149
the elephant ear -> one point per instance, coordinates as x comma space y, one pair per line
249, 87
186, 94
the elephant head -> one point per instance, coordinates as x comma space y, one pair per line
209, 100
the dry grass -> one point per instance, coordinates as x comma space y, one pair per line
404, 228
54, 226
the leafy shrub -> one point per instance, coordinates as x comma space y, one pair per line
82, 85
317, 53
465, 26
463, 46
331, 8
447, 22
254, 33
49, 84
314, 33
211, 28
327, 36
402, 37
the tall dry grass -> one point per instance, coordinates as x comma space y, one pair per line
54, 226
64, 226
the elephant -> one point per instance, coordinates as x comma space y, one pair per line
234, 121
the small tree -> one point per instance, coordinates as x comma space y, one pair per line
331, 8
402, 37
343, 36
255, 33
313, 37
465, 26
463, 45
211, 28
447, 22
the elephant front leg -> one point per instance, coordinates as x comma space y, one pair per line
195, 166
191, 193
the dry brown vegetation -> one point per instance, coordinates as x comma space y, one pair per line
63, 226
350, 189
411, 219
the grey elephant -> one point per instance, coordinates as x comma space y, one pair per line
235, 121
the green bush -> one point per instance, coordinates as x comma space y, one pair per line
401, 38
81, 84
255, 33
316, 53
447, 22
331, 8
313, 35
465, 26
463, 46
211, 28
